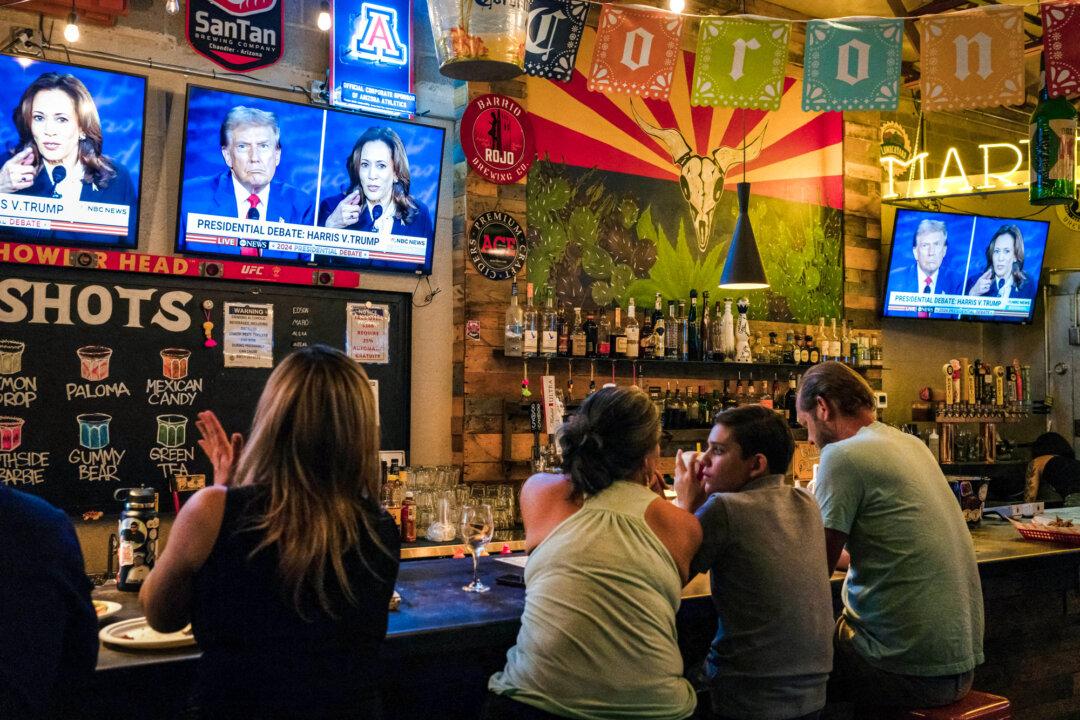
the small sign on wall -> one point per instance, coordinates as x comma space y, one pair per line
497, 245
368, 333
238, 35
497, 139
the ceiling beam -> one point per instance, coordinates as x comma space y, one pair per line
937, 6
898, 9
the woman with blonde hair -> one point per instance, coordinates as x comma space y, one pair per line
285, 567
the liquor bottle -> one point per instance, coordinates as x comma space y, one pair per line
693, 346
632, 331
815, 354
716, 341
671, 336
668, 407
790, 402
693, 408
676, 414
772, 350
778, 391
549, 329
787, 354
757, 349
603, 335
740, 392
864, 352
834, 342
618, 334
646, 336
765, 397
659, 349
752, 397
684, 408
727, 400
847, 347
727, 332
577, 336
565, 327
821, 341
531, 344
704, 408
705, 332
681, 338
804, 349
876, 354
514, 326
591, 333
1052, 136
716, 405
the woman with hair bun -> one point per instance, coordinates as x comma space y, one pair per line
604, 579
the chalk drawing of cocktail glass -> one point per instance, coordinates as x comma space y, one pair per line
11, 356
171, 430
93, 430
174, 363
94, 362
10, 432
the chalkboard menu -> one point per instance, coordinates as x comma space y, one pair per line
102, 374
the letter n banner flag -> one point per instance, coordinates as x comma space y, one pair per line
635, 51
973, 58
740, 63
852, 64
1061, 48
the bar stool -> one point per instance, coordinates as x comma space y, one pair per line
973, 706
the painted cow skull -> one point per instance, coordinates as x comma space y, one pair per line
701, 177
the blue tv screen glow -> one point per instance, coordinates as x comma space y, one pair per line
293, 183
946, 266
71, 142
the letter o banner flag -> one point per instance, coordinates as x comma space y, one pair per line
238, 35
497, 139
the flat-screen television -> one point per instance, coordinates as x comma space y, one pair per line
71, 143
947, 266
294, 183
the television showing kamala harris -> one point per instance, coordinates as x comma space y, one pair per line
71, 153
947, 266
295, 183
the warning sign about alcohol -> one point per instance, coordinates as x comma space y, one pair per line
249, 335
368, 333
238, 35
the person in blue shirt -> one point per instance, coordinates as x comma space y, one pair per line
60, 155
49, 646
377, 198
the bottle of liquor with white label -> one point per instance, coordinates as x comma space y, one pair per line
514, 325
618, 333
577, 336
671, 337
549, 329
632, 331
658, 329
531, 343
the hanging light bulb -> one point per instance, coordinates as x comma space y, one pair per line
71, 30
676, 6
324, 20
742, 268
172, 7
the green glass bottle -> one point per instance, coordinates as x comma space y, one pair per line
1052, 133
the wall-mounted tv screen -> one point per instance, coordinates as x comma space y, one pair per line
71, 141
295, 183
946, 266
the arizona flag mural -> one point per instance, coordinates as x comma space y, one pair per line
635, 196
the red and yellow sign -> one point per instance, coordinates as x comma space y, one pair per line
636, 51
497, 139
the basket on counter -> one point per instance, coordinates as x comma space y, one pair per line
1040, 531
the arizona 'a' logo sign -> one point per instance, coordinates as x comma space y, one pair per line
378, 38
238, 35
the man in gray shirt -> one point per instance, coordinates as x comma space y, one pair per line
764, 548
911, 631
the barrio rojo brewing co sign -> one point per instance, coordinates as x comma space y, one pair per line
497, 139
238, 35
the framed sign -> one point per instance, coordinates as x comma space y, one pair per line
497, 245
238, 35
371, 57
497, 139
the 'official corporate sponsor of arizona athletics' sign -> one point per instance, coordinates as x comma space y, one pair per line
238, 35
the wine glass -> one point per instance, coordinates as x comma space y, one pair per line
476, 529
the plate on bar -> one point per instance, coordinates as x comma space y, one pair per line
106, 608
136, 633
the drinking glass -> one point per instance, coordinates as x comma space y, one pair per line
477, 526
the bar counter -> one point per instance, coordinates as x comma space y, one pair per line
443, 643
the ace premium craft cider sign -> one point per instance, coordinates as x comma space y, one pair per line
238, 35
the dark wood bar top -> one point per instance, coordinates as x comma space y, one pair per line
434, 608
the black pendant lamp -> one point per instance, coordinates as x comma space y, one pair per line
743, 269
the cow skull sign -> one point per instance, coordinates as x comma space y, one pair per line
701, 177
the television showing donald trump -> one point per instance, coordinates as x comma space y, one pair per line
71, 153
946, 266
295, 183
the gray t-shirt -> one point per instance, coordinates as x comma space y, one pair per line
912, 593
765, 549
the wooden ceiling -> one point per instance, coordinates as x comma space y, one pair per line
94, 12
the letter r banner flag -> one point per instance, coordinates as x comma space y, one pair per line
740, 63
238, 35
636, 49
553, 35
852, 64
973, 58
1061, 50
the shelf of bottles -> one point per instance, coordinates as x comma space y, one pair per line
683, 336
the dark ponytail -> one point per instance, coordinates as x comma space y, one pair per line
608, 438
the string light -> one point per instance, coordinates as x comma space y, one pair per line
324, 20
71, 30
676, 6
172, 7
